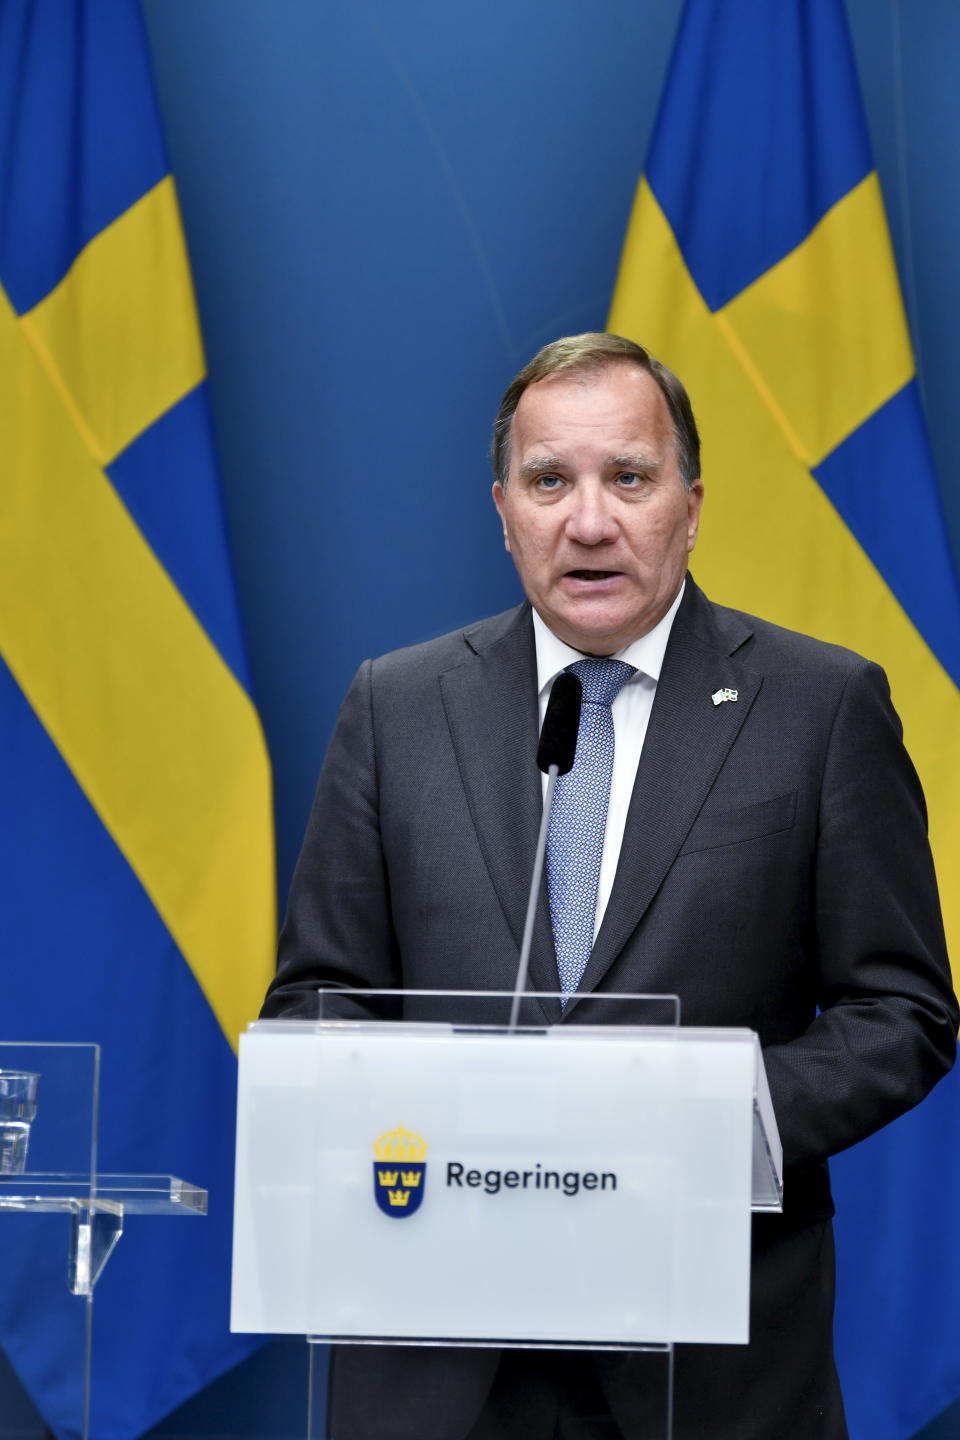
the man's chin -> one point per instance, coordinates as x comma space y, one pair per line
594, 628
595, 635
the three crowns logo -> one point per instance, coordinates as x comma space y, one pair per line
399, 1172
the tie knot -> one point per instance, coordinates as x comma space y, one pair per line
602, 679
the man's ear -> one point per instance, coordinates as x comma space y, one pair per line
694, 506
500, 500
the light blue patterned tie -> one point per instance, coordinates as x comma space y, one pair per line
579, 820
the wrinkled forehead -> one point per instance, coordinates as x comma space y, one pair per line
617, 407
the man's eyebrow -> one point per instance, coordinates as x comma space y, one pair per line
647, 463
546, 464
540, 465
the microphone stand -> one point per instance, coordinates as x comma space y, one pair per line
520, 984
556, 754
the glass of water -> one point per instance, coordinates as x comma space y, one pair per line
18, 1106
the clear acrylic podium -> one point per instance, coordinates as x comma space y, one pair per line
412, 1171
61, 1177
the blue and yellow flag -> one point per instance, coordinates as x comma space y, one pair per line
137, 863
758, 265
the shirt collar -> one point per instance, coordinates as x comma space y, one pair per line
645, 655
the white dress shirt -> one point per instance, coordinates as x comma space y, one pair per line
631, 715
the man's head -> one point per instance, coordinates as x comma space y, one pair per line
591, 352
597, 460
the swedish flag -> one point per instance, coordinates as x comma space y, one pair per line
137, 870
758, 265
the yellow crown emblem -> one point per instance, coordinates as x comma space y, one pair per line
400, 1145
399, 1172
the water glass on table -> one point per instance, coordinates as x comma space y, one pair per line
18, 1106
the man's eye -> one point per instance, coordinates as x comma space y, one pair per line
629, 479
548, 482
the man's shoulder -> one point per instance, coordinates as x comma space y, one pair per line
770, 647
456, 647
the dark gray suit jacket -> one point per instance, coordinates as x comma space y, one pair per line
774, 873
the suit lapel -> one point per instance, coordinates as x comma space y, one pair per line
687, 741
491, 707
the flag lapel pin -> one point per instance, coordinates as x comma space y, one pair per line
719, 696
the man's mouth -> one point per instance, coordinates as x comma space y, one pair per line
592, 574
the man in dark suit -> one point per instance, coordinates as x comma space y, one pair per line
764, 857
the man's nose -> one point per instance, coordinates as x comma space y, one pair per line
591, 520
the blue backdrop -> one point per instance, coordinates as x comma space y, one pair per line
388, 208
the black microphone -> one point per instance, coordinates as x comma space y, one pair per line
558, 738
555, 756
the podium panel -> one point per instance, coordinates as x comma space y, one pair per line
48, 1168
418, 1183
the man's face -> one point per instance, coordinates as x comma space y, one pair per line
594, 512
